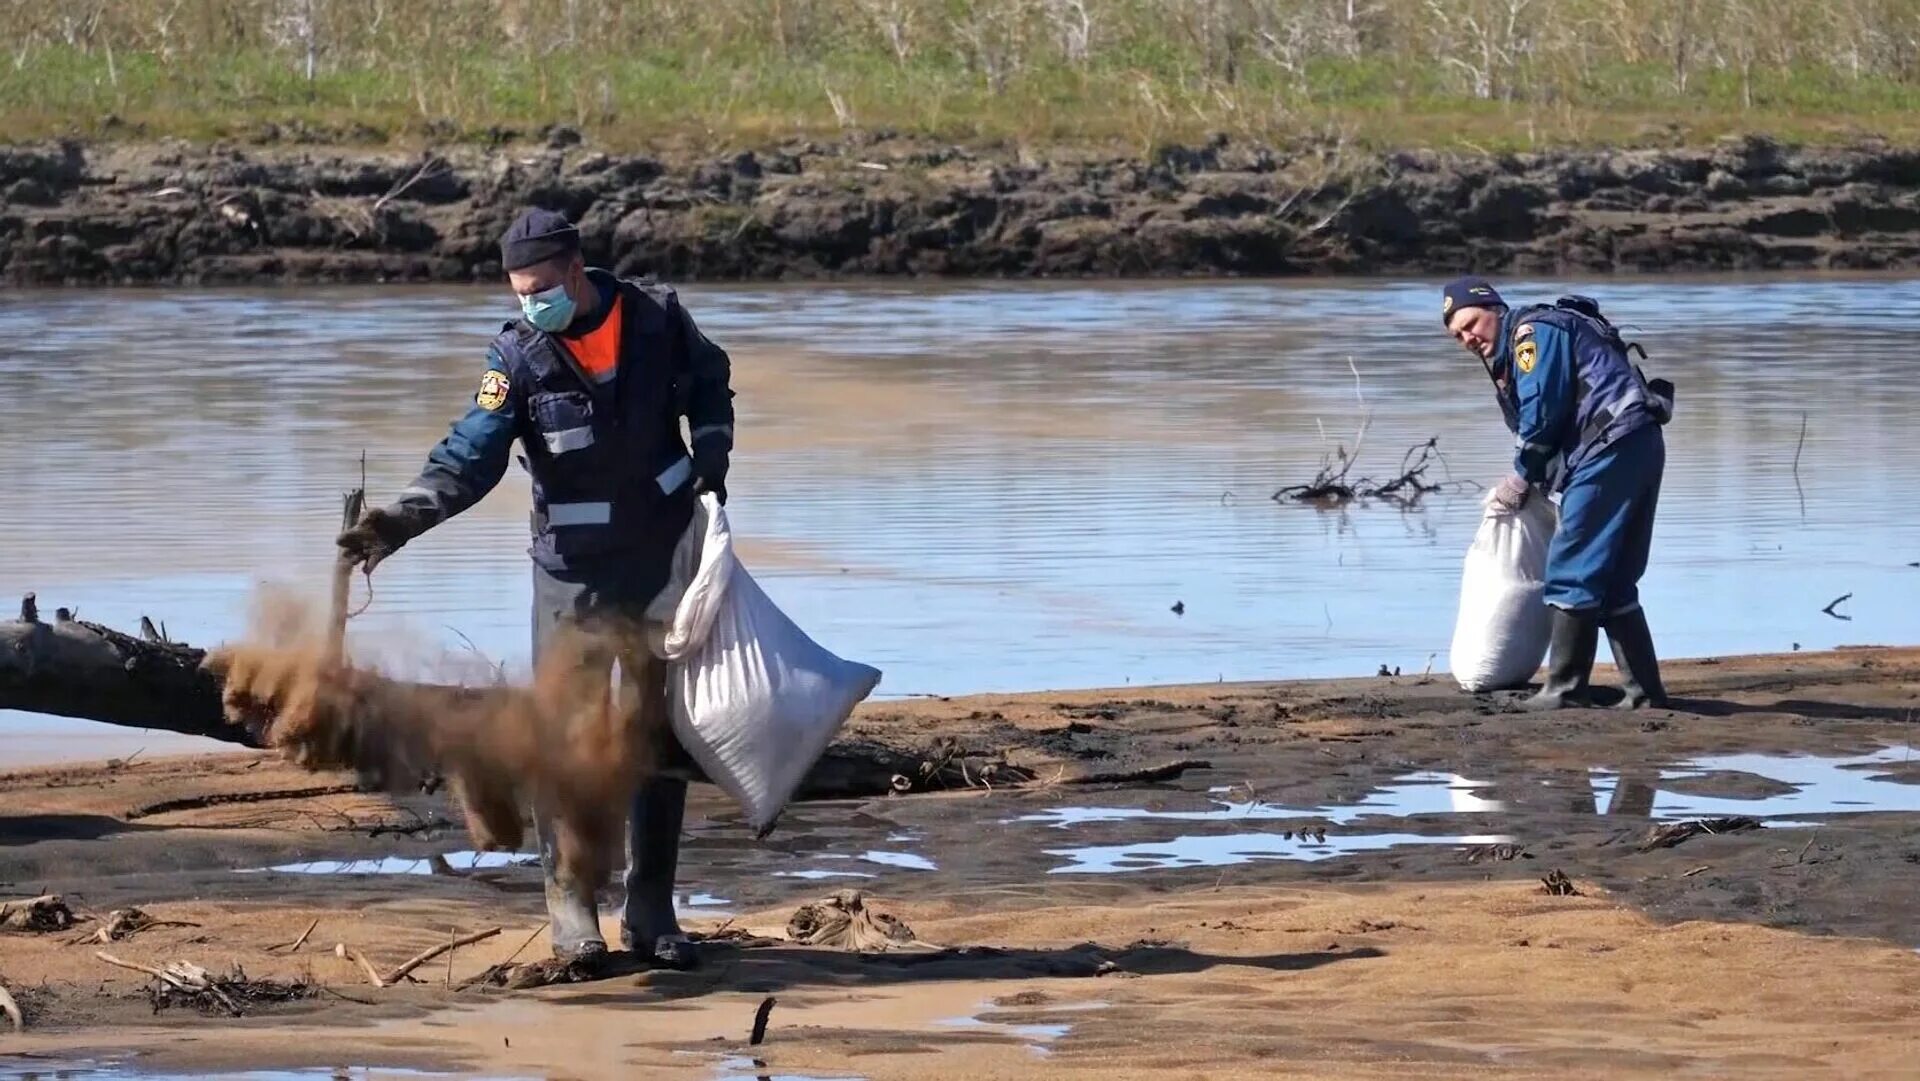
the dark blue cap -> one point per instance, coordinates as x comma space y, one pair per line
1468, 293
537, 236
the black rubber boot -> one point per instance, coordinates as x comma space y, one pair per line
572, 914
649, 926
1570, 664
1632, 644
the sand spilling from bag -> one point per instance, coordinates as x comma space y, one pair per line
564, 745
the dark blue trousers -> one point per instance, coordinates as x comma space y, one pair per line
1600, 551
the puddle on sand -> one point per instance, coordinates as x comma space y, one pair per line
1407, 795
397, 865
901, 859
455, 861
1036, 1037
38, 1068
1233, 849
1820, 786
1404, 796
742, 1068
905, 860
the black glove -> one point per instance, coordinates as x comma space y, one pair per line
710, 467
378, 534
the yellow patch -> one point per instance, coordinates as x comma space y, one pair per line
1524, 356
1525, 332
493, 390
1446, 305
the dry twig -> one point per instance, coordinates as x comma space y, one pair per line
340, 949
424, 956
294, 946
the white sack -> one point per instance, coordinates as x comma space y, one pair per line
1504, 627
755, 701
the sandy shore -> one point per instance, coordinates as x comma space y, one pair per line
1781, 951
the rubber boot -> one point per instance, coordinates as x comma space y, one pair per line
649, 926
572, 914
1570, 665
1632, 644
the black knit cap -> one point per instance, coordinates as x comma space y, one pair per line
1467, 293
537, 236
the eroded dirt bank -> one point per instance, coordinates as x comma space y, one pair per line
98, 214
1128, 929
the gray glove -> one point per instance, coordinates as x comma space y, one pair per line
1512, 493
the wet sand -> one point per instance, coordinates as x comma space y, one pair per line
1780, 951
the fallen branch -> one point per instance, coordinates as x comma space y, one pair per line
41, 915
518, 950
131, 967
124, 923
74, 668
183, 976
424, 956
1148, 775
294, 946
952, 767
1673, 833
546, 972
1330, 487
1837, 602
184, 980
373, 975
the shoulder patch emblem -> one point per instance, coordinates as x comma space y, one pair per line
1523, 333
1525, 355
493, 390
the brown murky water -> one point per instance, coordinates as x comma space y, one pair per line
977, 486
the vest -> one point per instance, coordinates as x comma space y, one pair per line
1612, 397
611, 474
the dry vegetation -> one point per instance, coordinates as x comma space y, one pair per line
1473, 73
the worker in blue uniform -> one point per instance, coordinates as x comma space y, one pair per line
594, 381
1587, 425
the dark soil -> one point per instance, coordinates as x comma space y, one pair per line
103, 214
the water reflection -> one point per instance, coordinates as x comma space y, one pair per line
975, 487
49, 1068
1817, 786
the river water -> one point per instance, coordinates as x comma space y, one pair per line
974, 486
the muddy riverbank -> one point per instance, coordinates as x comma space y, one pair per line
1359, 861
126, 213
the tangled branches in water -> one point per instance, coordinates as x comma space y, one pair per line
1331, 487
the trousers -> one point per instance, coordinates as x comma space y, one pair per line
611, 602
1600, 551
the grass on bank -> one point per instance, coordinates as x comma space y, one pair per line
1475, 74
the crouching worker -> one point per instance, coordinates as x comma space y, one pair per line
593, 381
1587, 424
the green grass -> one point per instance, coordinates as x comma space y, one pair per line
725, 72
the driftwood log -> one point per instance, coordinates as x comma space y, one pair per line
73, 668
